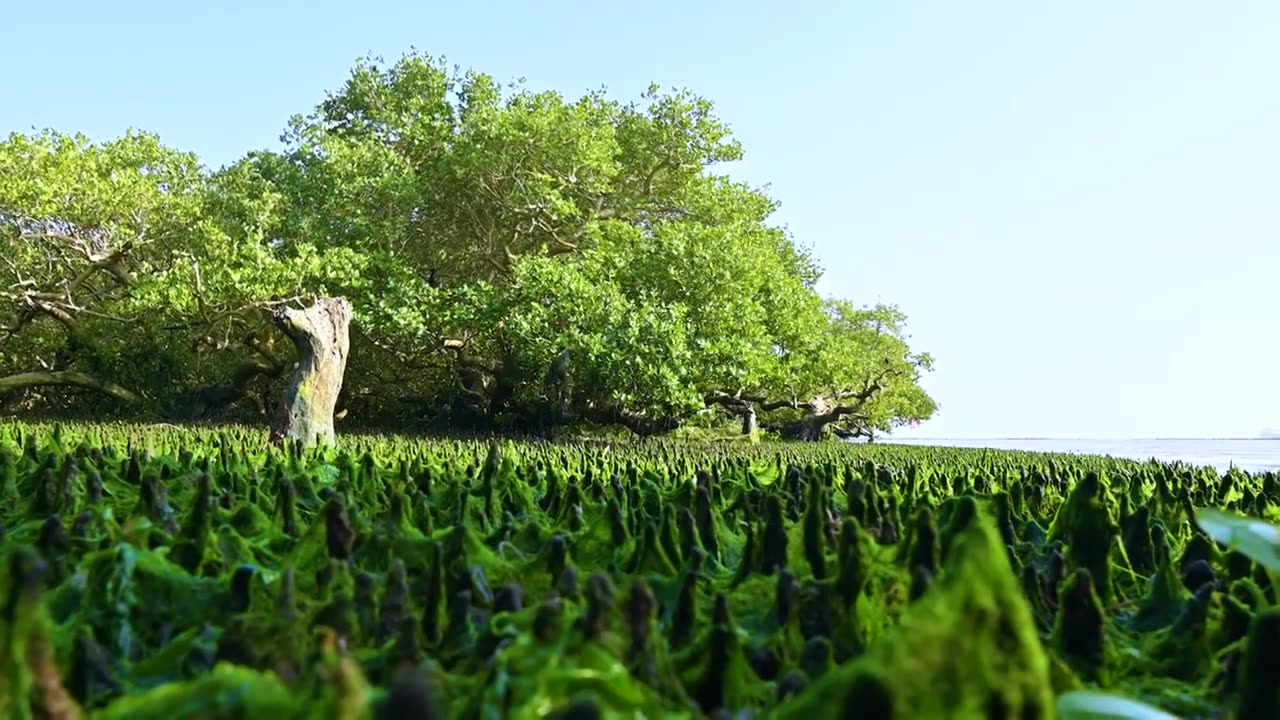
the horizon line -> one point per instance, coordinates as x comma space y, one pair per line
1090, 439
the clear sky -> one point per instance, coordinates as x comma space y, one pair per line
1077, 204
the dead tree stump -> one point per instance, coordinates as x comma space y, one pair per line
321, 333
749, 421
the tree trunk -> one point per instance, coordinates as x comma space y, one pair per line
67, 378
749, 421
207, 401
641, 425
807, 429
812, 427
322, 335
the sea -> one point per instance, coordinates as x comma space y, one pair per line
1246, 454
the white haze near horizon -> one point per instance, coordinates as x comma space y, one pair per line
1253, 455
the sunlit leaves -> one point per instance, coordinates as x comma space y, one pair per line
475, 227
84, 229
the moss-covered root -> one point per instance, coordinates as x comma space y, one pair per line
228, 691
970, 640
1166, 596
1079, 632
30, 683
1086, 522
1260, 675
869, 698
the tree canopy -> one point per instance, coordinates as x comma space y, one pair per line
513, 259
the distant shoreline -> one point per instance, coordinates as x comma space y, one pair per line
1252, 454
890, 439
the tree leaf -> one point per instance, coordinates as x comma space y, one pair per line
1093, 705
1257, 539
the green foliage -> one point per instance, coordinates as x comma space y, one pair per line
482, 233
87, 232
627, 352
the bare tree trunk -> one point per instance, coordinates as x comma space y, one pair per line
322, 335
749, 420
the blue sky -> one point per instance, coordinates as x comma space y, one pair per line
1077, 204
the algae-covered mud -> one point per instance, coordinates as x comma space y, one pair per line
166, 573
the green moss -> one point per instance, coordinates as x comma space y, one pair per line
1080, 630
967, 647
1086, 522
1259, 691
489, 569
227, 692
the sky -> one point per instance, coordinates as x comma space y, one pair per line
1076, 204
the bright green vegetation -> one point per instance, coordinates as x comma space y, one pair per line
514, 259
148, 570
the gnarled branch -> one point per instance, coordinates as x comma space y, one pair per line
68, 378
823, 409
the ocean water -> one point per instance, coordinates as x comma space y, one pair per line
1249, 455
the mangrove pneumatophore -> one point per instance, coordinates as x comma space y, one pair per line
207, 569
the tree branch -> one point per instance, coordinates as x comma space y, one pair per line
68, 378
823, 409
211, 398
62, 316
641, 425
738, 402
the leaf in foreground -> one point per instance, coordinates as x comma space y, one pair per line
1090, 705
1259, 540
